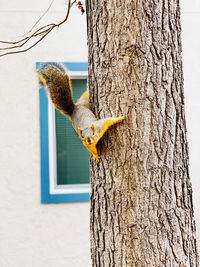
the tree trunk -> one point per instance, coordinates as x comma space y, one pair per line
141, 196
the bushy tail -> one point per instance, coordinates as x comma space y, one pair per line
58, 85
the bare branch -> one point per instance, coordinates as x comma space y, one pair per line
42, 32
39, 19
26, 39
24, 50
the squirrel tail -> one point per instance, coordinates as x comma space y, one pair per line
57, 83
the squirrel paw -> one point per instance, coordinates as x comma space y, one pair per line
96, 157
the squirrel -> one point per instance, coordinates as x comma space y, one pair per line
58, 86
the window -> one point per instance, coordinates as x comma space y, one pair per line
64, 160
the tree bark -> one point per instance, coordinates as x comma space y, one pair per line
141, 195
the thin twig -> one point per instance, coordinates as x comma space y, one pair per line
39, 19
26, 39
24, 50
43, 31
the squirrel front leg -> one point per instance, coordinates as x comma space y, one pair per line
104, 124
93, 150
107, 123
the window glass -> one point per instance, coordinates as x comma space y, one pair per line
72, 156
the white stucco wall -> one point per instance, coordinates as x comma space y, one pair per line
36, 235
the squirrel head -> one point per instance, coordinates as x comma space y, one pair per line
88, 135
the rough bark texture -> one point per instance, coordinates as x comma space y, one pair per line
141, 196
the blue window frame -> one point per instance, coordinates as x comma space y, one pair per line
55, 187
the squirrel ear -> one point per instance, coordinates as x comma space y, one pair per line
92, 127
80, 130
